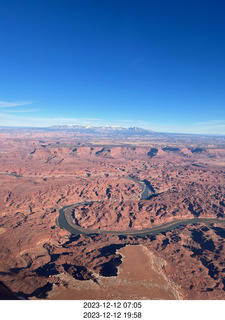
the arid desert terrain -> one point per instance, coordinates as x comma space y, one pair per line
95, 215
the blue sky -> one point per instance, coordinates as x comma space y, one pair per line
153, 64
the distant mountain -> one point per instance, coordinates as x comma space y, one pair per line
107, 129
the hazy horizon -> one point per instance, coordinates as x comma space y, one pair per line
105, 125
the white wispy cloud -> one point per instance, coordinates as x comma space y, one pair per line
132, 123
212, 123
207, 127
11, 119
7, 104
20, 111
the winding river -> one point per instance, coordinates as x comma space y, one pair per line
65, 221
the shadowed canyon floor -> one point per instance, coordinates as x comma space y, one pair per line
42, 171
139, 278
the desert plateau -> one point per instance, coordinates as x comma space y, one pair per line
111, 214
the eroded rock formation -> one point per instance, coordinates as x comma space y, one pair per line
41, 172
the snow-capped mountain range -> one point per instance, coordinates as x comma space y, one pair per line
106, 129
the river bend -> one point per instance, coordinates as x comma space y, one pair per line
65, 221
